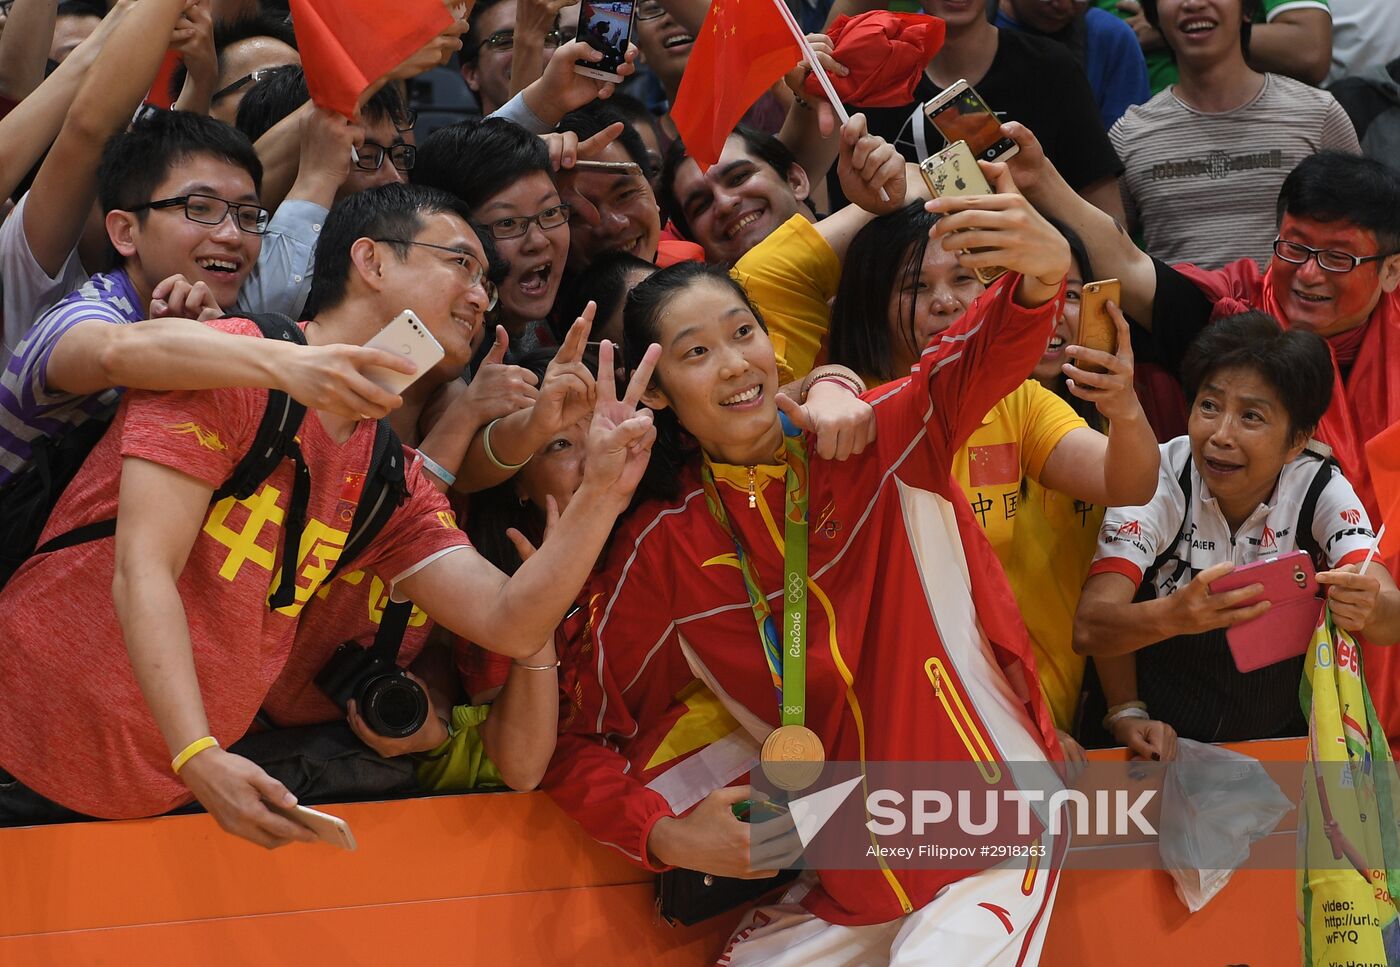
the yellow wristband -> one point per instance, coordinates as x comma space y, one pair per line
192, 750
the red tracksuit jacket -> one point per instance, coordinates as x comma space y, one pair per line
903, 590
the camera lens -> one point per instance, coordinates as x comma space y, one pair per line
394, 705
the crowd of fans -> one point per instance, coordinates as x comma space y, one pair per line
564, 530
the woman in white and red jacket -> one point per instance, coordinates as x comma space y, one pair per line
915, 649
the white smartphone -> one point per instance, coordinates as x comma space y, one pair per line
405, 335
606, 26
960, 114
328, 828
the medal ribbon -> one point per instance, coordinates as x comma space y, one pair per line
787, 660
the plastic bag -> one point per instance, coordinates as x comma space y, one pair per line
1215, 805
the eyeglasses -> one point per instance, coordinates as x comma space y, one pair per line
1329, 260
518, 225
242, 82
209, 210
476, 272
503, 41
650, 10
406, 121
370, 156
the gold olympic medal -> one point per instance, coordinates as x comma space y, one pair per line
792, 757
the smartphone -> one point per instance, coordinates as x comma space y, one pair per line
953, 172
757, 810
405, 335
960, 114
609, 167
1096, 327
1282, 632
606, 26
328, 828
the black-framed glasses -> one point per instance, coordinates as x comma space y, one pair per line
503, 41
406, 121
241, 83
1329, 260
370, 156
476, 271
211, 210
650, 10
517, 225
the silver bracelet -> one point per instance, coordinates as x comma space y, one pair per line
1125, 713
491, 455
437, 469
536, 668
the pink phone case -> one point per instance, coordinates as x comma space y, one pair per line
1283, 631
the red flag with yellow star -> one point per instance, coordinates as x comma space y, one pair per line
744, 47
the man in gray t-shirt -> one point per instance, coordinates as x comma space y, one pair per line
1206, 157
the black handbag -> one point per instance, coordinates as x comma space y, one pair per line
687, 897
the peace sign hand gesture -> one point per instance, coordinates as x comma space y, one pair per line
620, 436
567, 393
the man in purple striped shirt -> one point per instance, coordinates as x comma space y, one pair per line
180, 197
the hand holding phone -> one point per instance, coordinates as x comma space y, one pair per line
1283, 631
328, 828
606, 26
960, 114
953, 172
1097, 329
405, 335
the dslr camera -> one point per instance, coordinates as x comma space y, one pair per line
391, 703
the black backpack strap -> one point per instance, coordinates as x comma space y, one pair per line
1305, 539
385, 490
275, 441
281, 421
1183, 480
95, 531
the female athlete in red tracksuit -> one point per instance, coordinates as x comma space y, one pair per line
915, 649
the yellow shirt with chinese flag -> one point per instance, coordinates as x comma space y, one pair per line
1044, 539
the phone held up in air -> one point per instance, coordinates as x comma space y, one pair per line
953, 173
1096, 327
606, 26
960, 114
328, 828
405, 335
1282, 632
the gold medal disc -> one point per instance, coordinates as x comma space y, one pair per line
792, 757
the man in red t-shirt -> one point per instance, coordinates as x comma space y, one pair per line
92, 723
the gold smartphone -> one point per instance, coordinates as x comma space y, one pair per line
608, 167
328, 828
1096, 327
960, 114
953, 172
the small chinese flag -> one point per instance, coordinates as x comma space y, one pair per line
743, 48
345, 45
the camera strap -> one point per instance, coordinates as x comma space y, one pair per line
392, 625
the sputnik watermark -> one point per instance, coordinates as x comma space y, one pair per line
1109, 813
